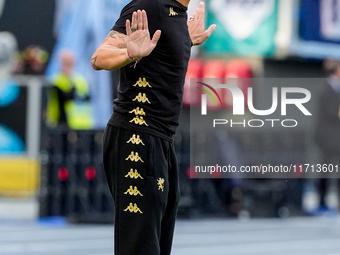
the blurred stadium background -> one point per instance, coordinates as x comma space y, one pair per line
53, 177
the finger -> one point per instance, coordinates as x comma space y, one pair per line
139, 20
209, 31
202, 6
205, 35
200, 11
197, 9
145, 20
156, 37
142, 15
134, 20
195, 13
127, 27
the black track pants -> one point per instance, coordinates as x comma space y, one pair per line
142, 174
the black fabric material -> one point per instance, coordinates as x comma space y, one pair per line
328, 135
148, 230
63, 97
164, 70
328, 121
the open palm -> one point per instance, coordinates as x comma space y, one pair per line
139, 43
196, 26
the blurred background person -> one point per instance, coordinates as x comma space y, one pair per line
328, 125
10, 141
8, 47
69, 97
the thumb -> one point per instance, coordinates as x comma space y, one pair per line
210, 30
206, 34
156, 37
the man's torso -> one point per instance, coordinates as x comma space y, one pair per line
150, 95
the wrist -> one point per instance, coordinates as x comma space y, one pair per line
132, 58
136, 60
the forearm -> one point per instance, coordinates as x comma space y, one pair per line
107, 57
113, 54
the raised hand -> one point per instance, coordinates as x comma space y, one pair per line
139, 43
197, 31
